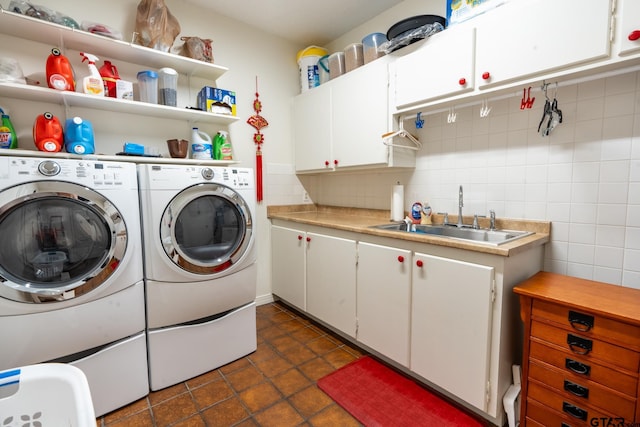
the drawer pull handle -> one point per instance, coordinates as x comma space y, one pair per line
579, 345
580, 322
576, 389
577, 367
574, 411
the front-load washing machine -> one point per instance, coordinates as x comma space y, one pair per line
71, 277
200, 268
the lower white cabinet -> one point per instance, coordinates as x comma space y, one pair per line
316, 273
451, 313
443, 315
331, 278
288, 265
384, 300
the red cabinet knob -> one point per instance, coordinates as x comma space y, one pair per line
308, 239
326, 162
419, 263
400, 258
462, 81
486, 75
634, 35
299, 237
335, 162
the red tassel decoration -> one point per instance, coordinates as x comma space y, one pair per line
258, 122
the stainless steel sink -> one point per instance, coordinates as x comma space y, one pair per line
492, 237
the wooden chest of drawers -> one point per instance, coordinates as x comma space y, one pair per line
581, 354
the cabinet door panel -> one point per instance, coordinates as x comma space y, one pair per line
312, 129
360, 115
287, 263
629, 22
331, 278
436, 69
384, 286
451, 325
524, 38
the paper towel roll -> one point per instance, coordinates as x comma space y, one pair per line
397, 203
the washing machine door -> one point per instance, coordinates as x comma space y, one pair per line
206, 229
59, 240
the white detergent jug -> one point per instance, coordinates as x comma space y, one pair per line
201, 147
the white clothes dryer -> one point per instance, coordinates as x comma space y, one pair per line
71, 277
200, 268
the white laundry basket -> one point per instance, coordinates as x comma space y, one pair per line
46, 394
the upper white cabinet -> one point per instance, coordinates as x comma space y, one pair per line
629, 23
516, 43
441, 66
339, 124
525, 38
39, 31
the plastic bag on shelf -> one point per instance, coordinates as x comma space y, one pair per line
196, 48
101, 29
409, 37
156, 27
40, 12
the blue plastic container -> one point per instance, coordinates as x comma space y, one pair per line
78, 136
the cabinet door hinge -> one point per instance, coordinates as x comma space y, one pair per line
357, 326
493, 290
488, 392
612, 22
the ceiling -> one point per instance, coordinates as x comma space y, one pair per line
304, 22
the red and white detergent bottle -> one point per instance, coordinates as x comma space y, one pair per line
59, 72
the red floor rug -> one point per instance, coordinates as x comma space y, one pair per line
378, 396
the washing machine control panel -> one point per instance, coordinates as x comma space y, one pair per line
95, 174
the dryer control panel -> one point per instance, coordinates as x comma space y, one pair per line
180, 176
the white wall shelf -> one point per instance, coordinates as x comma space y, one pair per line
16, 25
77, 99
117, 158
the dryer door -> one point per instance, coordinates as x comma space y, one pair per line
206, 228
59, 240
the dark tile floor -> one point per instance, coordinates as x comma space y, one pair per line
273, 386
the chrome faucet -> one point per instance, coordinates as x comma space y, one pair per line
492, 220
460, 205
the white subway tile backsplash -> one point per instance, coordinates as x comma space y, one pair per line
619, 104
584, 192
613, 192
632, 238
612, 214
614, 171
558, 213
591, 89
607, 275
583, 271
584, 213
633, 216
586, 172
632, 260
606, 256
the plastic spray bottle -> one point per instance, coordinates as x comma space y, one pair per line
59, 72
92, 84
222, 146
8, 138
